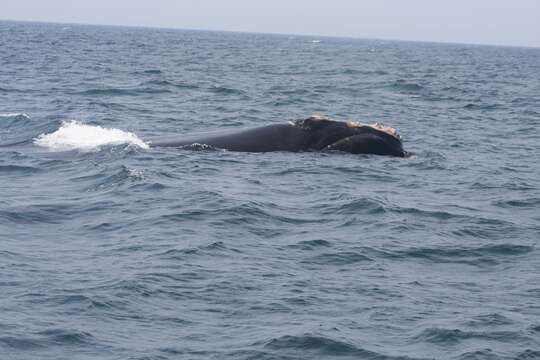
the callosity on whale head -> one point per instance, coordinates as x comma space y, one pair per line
352, 137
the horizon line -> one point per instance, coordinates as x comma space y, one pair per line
157, 27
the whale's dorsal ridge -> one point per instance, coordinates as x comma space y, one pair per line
314, 122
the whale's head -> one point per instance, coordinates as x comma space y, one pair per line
352, 137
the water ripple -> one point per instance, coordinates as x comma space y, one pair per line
324, 346
444, 336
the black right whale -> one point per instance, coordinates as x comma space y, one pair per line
315, 133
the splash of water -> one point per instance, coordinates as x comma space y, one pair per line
73, 135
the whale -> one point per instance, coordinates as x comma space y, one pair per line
315, 133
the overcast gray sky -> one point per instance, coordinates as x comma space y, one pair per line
501, 22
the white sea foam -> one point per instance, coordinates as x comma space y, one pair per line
76, 136
9, 115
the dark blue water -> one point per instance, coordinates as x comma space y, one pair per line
110, 249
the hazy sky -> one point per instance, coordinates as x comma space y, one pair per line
503, 22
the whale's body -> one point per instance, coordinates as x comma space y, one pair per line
311, 134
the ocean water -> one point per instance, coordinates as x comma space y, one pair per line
113, 249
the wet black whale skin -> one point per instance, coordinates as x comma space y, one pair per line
311, 134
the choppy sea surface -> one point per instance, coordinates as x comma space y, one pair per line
114, 249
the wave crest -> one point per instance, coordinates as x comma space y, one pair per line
15, 115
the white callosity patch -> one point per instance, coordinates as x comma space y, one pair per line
76, 136
381, 127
